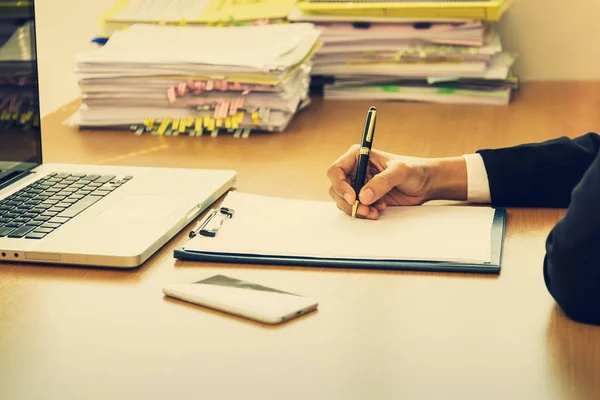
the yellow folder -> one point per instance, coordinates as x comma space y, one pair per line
490, 10
180, 12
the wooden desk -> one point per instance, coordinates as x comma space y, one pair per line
70, 333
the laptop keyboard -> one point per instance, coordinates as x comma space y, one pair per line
40, 208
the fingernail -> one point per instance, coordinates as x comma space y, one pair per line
348, 198
373, 214
367, 195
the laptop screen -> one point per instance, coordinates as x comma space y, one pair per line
20, 135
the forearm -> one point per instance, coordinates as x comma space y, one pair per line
539, 174
458, 178
447, 179
571, 268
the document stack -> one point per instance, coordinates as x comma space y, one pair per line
192, 80
446, 55
192, 12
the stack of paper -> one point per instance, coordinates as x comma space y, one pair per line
175, 80
394, 58
193, 12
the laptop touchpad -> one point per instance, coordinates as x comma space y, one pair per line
144, 207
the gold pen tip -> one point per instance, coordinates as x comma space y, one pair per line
354, 208
372, 108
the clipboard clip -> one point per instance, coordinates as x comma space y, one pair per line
211, 224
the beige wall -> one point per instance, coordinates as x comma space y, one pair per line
555, 39
64, 28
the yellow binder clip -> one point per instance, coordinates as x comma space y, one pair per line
163, 126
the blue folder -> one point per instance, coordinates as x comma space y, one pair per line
492, 267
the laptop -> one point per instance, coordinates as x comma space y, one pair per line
84, 215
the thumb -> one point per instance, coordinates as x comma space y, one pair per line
378, 186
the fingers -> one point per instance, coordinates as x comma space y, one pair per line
376, 188
342, 191
380, 205
338, 172
380, 185
362, 211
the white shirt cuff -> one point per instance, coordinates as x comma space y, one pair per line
477, 179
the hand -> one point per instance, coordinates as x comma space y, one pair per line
394, 180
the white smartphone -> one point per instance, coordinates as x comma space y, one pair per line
244, 299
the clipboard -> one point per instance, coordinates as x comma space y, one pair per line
220, 219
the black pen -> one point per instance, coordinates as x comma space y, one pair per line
363, 155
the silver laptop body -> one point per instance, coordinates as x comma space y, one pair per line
85, 215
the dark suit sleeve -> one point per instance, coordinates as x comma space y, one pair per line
572, 262
539, 174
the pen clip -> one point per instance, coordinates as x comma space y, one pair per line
211, 224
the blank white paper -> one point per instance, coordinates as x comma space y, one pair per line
289, 227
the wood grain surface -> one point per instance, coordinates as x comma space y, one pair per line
84, 333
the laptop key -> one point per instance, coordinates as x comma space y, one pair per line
35, 235
43, 230
79, 206
90, 177
41, 219
13, 225
101, 192
50, 214
59, 220
104, 179
62, 175
22, 231
52, 225
5, 231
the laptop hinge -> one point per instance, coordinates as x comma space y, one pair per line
12, 177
